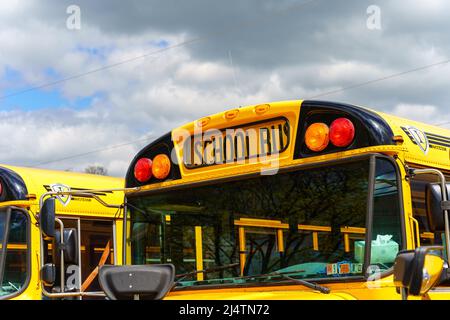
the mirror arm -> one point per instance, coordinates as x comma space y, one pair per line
61, 246
404, 293
86, 192
103, 203
72, 294
445, 205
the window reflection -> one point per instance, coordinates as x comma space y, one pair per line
386, 232
16, 254
304, 222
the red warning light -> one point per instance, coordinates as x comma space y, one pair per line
342, 132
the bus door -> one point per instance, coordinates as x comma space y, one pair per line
428, 236
96, 247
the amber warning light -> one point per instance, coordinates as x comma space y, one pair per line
146, 168
317, 136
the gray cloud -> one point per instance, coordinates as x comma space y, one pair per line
280, 50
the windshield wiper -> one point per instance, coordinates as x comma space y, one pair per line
305, 283
311, 285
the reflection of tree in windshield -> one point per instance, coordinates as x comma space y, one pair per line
330, 196
323, 197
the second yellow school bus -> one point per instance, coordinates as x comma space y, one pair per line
95, 225
245, 202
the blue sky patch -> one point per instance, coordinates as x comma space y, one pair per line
100, 53
159, 43
43, 99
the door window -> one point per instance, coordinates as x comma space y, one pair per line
96, 247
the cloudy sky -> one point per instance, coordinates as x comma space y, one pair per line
72, 97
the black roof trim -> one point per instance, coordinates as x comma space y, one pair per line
14, 187
165, 145
380, 132
373, 129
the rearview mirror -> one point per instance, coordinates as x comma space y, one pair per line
47, 218
433, 201
146, 282
48, 274
417, 271
70, 246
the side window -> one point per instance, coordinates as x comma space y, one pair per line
386, 230
15, 261
418, 186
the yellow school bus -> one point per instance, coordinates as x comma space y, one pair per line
290, 200
94, 228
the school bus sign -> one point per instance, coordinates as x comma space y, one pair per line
237, 145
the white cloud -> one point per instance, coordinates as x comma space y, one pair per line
43, 138
278, 53
424, 113
204, 72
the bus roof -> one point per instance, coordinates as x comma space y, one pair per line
24, 183
419, 143
425, 144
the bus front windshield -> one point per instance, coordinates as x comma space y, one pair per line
13, 251
309, 223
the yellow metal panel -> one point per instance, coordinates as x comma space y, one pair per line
242, 255
356, 230
437, 156
427, 235
15, 246
119, 243
415, 226
38, 182
280, 240
261, 223
306, 227
18, 203
315, 237
199, 251
379, 289
346, 243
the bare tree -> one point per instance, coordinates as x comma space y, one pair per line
100, 170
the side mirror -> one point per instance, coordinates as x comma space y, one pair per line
434, 205
146, 282
47, 218
48, 274
70, 246
417, 271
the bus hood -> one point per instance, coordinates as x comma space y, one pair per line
268, 295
